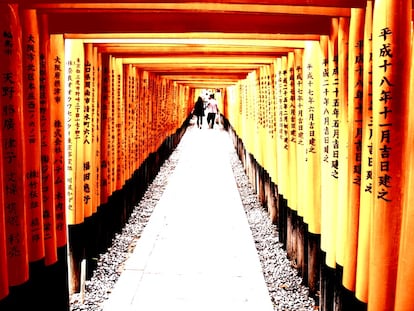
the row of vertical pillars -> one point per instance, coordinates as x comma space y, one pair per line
302, 247
95, 235
48, 287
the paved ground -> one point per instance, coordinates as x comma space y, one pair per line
196, 252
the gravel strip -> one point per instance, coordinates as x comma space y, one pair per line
283, 282
110, 264
284, 285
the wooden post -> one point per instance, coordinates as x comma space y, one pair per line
31, 115
289, 233
291, 135
356, 62
314, 263
50, 220
341, 108
13, 146
391, 98
4, 282
310, 208
327, 277
405, 278
56, 69
366, 197
74, 97
302, 249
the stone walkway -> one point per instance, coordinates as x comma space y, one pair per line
196, 253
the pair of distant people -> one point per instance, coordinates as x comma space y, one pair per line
212, 111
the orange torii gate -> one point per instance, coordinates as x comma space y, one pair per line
296, 101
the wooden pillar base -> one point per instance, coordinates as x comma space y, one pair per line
47, 288
327, 284
282, 223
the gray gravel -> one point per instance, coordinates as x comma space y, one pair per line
284, 285
283, 282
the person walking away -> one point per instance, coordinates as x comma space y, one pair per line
212, 110
199, 111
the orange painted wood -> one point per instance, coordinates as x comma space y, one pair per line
164, 110
391, 97
4, 280
272, 155
292, 127
112, 138
134, 117
46, 137
124, 50
74, 98
105, 115
325, 139
311, 211
269, 153
323, 3
128, 91
405, 277
142, 78
330, 157
31, 115
56, 68
283, 131
13, 145
97, 125
327, 3
355, 96
96, 138
366, 199
342, 106
330, 195
88, 178
171, 22
278, 78
119, 119
301, 184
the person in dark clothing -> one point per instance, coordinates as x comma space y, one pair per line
199, 111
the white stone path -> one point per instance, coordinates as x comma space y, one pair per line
196, 253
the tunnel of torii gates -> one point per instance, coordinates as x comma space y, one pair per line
320, 108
